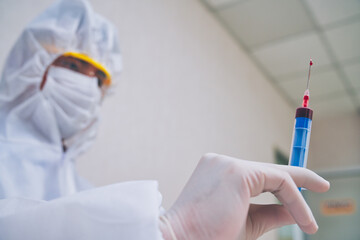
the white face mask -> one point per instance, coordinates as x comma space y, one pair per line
74, 97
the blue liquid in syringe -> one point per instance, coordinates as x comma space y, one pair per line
301, 140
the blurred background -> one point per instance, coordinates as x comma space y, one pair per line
226, 76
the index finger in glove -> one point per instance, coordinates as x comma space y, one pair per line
305, 178
302, 177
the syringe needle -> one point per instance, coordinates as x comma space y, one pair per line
311, 63
306, 97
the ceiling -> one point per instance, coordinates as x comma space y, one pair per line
280, 36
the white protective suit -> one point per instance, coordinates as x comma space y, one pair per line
38, 181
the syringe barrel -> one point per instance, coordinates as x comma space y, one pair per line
301, 137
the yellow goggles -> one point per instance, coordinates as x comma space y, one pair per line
91, 61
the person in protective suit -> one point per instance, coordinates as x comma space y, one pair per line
51, 89
53, 83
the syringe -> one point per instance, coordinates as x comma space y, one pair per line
302, 129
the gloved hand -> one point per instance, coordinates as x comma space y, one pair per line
215, 203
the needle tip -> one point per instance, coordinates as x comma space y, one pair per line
311, 62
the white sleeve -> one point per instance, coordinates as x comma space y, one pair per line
128, 210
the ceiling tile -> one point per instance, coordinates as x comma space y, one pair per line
321, 84
331, 107
220, 3
353, 73
345, 41
259, 21
330, 11
292, 55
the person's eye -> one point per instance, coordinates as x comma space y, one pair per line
74, 67
101, 76
100, 83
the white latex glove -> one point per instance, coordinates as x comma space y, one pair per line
215, 203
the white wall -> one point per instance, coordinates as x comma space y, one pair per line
187, 89
335, 142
